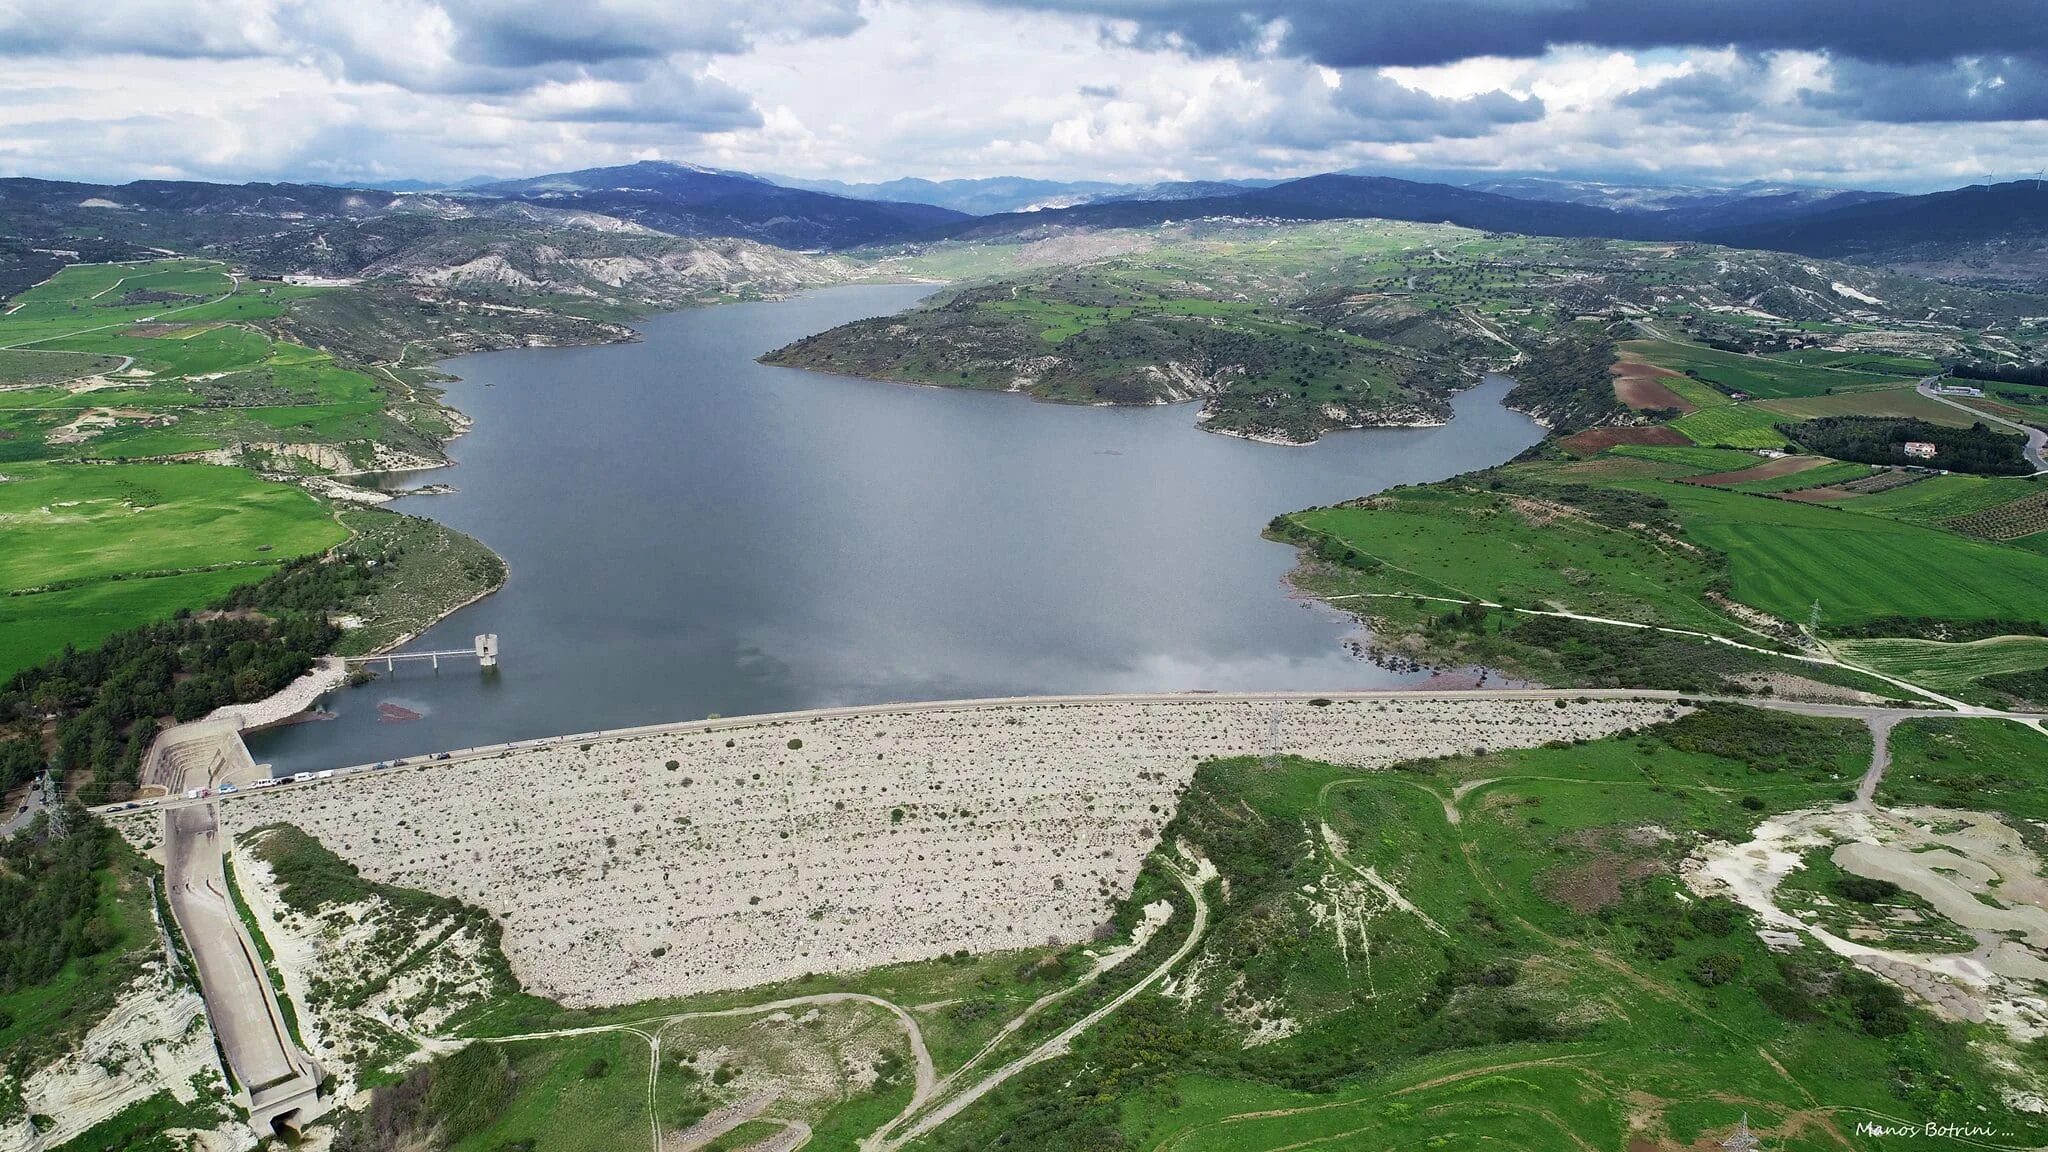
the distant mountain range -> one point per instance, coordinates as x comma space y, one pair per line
1904, 226
687, 200
998, 194
2000, 231
1664, 197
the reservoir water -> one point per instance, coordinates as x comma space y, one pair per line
691, 532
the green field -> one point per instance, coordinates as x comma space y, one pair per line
1732, 426
204, 376
1874, 362
1902, 402
1783, 556
1949, 668
87, 536
96, 297
1695, 392
1674, 462
1759, 377
38, 625
1780, 556
75, 523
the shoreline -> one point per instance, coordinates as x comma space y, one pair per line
1201, 421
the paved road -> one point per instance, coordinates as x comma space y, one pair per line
35, 801
231, 978
2037, 440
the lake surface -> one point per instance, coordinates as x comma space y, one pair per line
690, 532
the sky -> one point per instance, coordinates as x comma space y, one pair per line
1895, 94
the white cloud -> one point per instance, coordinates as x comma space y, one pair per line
379, 89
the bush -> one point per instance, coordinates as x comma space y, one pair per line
1863, 889
1717, 969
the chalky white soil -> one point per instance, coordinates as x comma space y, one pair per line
154, 1040
883, 838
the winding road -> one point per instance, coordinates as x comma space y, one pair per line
2037, 440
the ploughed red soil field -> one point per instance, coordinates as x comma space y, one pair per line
1596, 440
1641, 385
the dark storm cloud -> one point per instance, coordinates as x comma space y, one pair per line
1389, 112
1993, 88
496, 41
1977, 88
528, 33
1416, 33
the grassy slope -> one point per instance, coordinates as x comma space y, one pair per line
193, 530
1459, 539
1950, 668
1993, 765
1530, 1023
196, 530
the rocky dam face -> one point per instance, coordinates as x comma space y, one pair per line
729, 854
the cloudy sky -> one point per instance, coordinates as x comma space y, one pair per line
1908, 94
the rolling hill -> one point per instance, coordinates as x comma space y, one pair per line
686, 200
